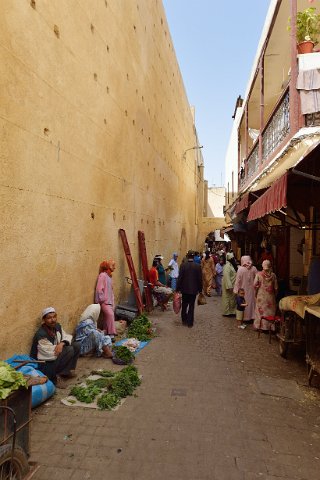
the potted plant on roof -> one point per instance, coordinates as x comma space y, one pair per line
308, 29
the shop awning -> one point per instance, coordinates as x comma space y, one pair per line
272, 200
242, 204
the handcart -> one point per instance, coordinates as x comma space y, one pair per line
15, 418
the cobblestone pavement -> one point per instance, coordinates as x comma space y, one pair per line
216, 403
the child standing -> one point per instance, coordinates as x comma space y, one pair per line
219, 273
241, 305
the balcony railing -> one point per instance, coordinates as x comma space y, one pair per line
277, 129
274, 133
253, 160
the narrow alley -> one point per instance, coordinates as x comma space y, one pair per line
215, 403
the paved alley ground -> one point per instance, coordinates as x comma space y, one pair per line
216, 403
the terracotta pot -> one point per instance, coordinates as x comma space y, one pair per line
305, 47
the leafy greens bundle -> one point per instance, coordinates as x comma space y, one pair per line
109, 389
10, 380
141, 329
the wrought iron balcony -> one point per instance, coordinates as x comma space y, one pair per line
274, 133
277, 128
253, 160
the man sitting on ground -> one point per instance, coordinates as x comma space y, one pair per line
53, 345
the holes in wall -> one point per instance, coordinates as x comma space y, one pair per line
126, 113
108, 49
124, 217
33, 4
105, 121
127, 76
134, 28
106, 3
95, 76
92, 28
56, 31
46, 131
92, 215
133, 122
108, 90
114, 216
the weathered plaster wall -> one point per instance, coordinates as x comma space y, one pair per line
94, 120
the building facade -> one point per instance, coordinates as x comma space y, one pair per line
278, 136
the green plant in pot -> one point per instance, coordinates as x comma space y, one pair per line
308, 29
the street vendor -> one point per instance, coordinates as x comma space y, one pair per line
53, 345
160, 291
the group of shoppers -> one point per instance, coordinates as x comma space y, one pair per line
245, 290
257, 289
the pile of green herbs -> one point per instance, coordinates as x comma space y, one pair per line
141, 328
10, 380
124, 354
109, 389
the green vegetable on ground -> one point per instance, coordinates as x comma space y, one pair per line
107, 401
141, 329
110, 390
100, 382
123, 353
85, 394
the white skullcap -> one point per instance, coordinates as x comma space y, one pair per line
47, 310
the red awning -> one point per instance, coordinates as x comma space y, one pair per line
272, 200
242, 204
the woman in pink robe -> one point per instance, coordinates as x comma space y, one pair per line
266, 286
244, 279
105, 297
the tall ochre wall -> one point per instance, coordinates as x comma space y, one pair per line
94, 121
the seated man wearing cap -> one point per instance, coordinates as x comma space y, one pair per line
53, 345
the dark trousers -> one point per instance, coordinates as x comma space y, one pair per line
66, 361
187, 308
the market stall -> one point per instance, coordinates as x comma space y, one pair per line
292, 327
